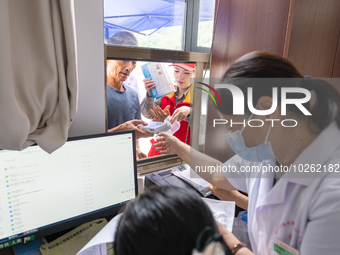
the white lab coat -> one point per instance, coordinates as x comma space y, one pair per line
301, 212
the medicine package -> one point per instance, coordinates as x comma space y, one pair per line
158, 73
156, 127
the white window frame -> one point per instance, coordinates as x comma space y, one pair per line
201, 60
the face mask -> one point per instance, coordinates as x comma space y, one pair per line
258, 153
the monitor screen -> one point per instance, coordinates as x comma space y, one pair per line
43, 193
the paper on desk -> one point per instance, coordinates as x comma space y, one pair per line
186, 173
73, 241
141, 182
97, 245
223, 211
99, 249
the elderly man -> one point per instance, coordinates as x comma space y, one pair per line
124, 38
122, 101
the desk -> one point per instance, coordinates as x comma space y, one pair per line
173, 180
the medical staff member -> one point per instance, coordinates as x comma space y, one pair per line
169, 220
176, 104
287, 212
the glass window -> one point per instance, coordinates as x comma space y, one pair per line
133, 95
195, 62
160, 24
206, 23
153, 23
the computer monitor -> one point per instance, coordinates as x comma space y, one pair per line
85, 179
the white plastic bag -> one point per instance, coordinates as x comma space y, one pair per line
174, 127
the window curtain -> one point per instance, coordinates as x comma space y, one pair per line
38, 78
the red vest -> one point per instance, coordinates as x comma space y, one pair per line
181, 133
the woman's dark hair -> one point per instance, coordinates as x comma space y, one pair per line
260, 65
164, 220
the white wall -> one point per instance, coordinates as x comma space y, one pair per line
90, 118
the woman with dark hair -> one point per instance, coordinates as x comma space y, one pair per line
290, 171
168, 220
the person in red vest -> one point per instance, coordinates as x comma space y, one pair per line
176, 104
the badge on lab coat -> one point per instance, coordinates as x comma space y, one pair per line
284, 249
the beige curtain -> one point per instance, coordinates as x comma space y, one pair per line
38, 79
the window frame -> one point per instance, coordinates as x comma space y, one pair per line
201, 60
191, 28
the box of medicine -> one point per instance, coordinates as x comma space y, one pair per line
156, 127
158, 73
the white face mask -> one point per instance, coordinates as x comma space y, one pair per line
258, 153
